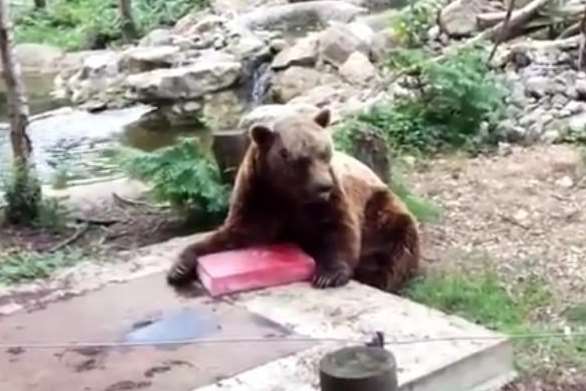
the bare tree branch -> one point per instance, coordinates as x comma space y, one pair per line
503, 33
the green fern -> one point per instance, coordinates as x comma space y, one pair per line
182, 175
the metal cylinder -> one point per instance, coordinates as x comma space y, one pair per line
360, 368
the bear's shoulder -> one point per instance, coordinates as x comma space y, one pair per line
349, 169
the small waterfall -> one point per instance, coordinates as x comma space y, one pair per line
255, 80
261, 82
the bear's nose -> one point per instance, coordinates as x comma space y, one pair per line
323, 190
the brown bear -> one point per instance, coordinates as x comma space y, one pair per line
292, 186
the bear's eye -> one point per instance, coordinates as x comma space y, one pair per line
325, 155
303, 162
284, 154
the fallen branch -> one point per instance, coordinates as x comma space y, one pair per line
566, 43
516, 20
136, 203
72, 239
504, 30
572, 30
489, 19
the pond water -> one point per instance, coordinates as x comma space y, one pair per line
79, 145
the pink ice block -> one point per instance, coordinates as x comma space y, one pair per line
254, 268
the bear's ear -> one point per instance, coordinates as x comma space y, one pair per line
323, 118
262, 135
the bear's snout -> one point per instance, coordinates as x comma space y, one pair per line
322, 191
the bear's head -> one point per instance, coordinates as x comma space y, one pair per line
295, 154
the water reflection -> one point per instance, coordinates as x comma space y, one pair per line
79, 145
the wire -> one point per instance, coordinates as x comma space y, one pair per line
204, 341
197, 341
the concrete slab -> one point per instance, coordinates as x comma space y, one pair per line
356, 312
136, 288
143, 310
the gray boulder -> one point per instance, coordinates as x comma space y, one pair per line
157, 37
301, 14
294, 81
303, 52
358, 70
184, 83
338, 42
144, 59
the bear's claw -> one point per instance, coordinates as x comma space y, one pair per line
331, 278
181, 274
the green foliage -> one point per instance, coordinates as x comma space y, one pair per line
69, 24
479, 298
152, 13
80, 24
52, 216
483, 297
22, 265
182, 175
411, 25
345, 138
424, 210
451, 102
576, 314
22, 193
60, 177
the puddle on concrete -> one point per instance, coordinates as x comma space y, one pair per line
186, 324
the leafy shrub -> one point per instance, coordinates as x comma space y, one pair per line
22, 193
152, 13
424, 210
70, 24
451, 101
183, 175
345, 138
410, 26
80, 24
52, 216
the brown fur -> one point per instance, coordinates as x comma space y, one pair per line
292, 186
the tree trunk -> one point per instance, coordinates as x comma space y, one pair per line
24, 194
40, 4
128, 26
17, 103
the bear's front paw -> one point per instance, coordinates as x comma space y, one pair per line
332, 277
182, 272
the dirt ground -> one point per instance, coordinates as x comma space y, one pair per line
113, 228
525, 211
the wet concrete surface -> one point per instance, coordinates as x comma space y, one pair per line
144, 311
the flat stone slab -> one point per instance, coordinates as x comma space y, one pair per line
356, 312
142, 311
130, 300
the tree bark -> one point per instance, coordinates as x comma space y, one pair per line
40, 4
17, 102
128, 26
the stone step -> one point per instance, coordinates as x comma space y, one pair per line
356, 312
